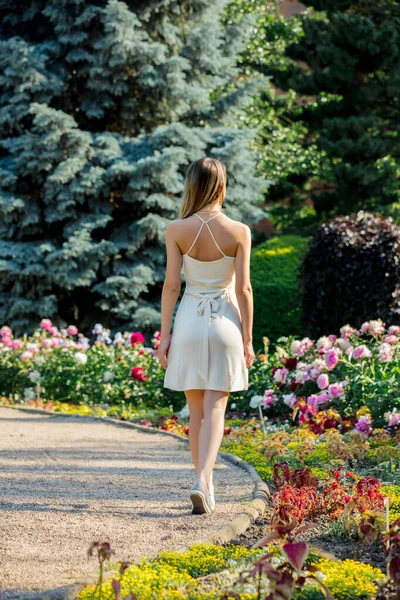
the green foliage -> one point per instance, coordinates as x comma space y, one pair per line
103, 106
351, 274
346, 66
275, 268
289, 157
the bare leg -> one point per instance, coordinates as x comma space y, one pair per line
211, 432
194, 399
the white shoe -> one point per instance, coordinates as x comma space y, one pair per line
200, 498
211, 493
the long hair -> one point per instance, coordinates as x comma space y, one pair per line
205, 183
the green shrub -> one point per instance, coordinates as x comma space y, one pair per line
275, 266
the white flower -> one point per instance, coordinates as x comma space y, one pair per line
184, 413
295, 346
108, 376
256, 401
233, 405
34, 376
80, 358
289, 399
118, 338
98, 328
301, 376
29, 393
40, 360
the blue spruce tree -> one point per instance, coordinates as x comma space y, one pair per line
103, 105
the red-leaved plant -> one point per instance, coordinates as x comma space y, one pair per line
292, 574
104, 552
391, 542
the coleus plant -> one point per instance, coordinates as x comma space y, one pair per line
292, 574
391, 542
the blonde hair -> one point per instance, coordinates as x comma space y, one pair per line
205, 183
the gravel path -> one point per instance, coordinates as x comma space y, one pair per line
66, 482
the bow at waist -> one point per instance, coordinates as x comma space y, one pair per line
207, 308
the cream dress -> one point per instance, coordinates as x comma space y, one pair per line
206, 349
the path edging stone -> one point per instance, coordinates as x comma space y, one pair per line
223, 535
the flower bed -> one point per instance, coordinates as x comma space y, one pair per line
320, 423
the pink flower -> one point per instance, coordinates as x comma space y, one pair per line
385, 353
324, 344
314, 372
323, 397
335, 390
280, 375
323, 381
47, 343
393, 418
346, 331
16, 344
391, 339
6, 331
72, 330
300, 347
136, 338
269, 398
26, 355
394, 329
344, 345
361, 352
363, 425
376, 327
46, 324
138, 374
332, 358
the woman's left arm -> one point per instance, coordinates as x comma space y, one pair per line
170, 292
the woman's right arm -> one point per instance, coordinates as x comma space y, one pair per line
244, 292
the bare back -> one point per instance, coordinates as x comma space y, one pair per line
227, 235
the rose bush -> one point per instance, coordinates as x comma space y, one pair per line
64, 365
333, 377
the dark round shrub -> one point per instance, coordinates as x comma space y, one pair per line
351, 274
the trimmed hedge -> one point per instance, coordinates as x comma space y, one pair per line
275, 267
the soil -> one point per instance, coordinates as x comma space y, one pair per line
319, 538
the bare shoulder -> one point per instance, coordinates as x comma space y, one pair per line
239, 229
175, 226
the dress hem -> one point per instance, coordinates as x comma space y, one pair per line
235, 389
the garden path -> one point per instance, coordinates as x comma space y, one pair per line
68, 481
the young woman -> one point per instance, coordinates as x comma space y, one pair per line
210, 350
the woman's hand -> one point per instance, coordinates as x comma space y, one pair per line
162, 351
249, 354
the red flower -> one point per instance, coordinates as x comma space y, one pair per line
186, 430
141, 351
120, 357
227, 430
146, 423
138, 374
136, 337
291, 363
